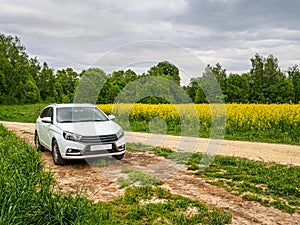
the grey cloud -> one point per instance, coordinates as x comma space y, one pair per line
240, 15
76, 33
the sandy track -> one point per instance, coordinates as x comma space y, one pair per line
100, 184
279, 153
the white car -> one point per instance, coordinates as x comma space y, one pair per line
78, 131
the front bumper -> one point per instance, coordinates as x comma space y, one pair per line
79, 150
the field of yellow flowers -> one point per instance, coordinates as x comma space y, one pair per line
256, 122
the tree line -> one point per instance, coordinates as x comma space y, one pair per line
25, 80
264, 83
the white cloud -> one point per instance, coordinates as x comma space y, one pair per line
166, 6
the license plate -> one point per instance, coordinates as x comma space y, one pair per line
100, 147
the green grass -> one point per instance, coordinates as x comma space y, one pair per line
27, 197
268, 135
137, 177
101, 162
26, 191
270, 184
21, 113
178, 157
155, 205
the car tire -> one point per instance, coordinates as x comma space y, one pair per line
37, 143
119, 157
57, 159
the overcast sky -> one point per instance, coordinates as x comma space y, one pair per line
134, 33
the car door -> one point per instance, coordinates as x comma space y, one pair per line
44, 127
48, 128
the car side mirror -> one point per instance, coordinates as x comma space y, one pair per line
111, 117
47, 120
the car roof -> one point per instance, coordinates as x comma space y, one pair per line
73, 105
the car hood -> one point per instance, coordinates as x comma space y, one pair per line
90, 128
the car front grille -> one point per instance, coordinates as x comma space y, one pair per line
104, 139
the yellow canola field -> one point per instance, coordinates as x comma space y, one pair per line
243, 117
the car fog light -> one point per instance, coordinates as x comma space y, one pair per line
121, 147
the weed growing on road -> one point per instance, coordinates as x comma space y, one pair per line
137, 177
155, 205
100, 162
178, 157
268, 183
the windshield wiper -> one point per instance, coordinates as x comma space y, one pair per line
66, 121
96, 120
100, 120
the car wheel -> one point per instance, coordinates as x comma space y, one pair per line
37, 143
57, 159
119, 157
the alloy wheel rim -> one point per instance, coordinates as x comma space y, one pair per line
37, 142
55, 153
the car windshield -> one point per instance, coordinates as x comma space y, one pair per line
79, 114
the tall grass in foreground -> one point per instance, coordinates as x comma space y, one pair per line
26, 197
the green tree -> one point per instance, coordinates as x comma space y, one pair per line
16, 78
166, 70
89, 86
220, 75
211, 83
114, 85
191, 88
267, 81
294, 77
130, 76
200, 96
46, 83
152, 90
237, 88
65, 85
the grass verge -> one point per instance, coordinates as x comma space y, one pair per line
270, 184
26, 191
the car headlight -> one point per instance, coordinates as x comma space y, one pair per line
71, 136
120, 133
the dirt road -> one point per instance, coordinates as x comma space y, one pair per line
100, 183
279, 153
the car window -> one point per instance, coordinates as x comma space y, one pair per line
44, 112
50, 113
80, 114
